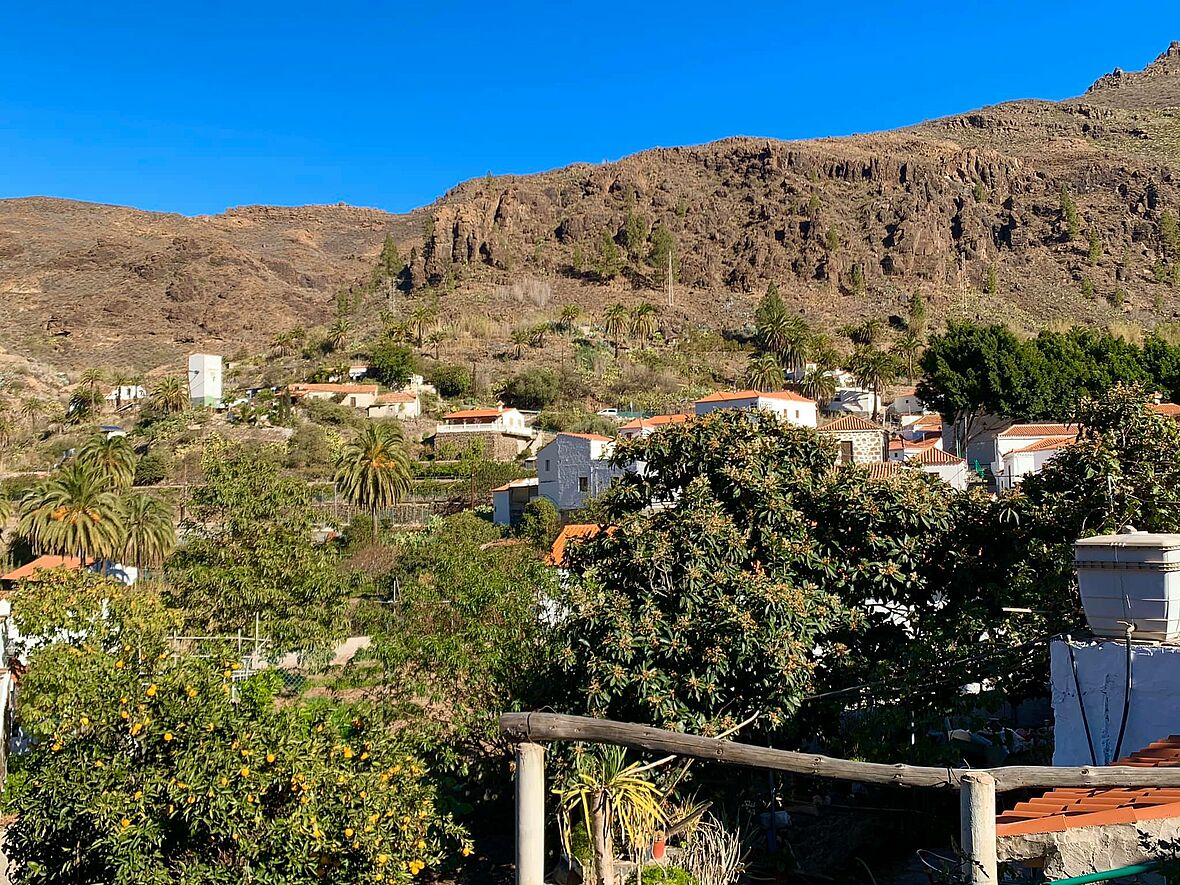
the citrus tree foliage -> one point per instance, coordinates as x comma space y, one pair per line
250, 552
466, 634
146, 769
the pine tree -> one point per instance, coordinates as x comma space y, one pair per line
1087, 287
1095, 251
608, 262
663, 247
991, 284
917, 320
1170, 233
832, 240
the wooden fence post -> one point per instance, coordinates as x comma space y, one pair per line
977, 809
530, 814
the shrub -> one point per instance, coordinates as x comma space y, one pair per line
391, 362
308, 447
539, 522
450, 380
154, 466
533, 389
667, 875
326, 412
576, 422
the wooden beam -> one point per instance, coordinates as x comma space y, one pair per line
542, 727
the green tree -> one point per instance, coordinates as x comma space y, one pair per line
1069, 214
763, 372
373, 469
569, 316
908, 348
339, 337
635, 229
979, 191
1087, 287
110, 457
917, 322
1170, 234
146, 767
991, 283
148, 533
520, 338
875, 370
786, 336
819, 385
832, 240
32, 409
643, 321
539, 522
391, 362
389, 263
1094, 250
856, 280
75, 512
663, 250
533, 389
615, 322
254, 556
608, 261
451, 381
420, 320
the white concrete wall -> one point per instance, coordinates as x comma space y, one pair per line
1155, 698
204, 378
562, 465
501, 507
704, 408
954, 475
803, 414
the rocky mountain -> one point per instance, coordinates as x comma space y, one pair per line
1029, 211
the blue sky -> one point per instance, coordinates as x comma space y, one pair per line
195, 107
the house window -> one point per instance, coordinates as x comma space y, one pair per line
796, 414
583, 483
845, 451
546, 465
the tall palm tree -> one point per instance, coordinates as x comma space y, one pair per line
91, 378
436, 338
420, 320
615, 322
7, 429
84, 403
569, 314
120, 380
339, 334
149, 533
763, 372
866, 333
643, 321
170, 394
55, 414
521, 337
73, 513
819, 385
874, 370
909, 347
112, 457
373, 469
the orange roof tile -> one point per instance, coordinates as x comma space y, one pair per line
935, 457
593, 437
1066, 809
517, 483
398, 397
573, 531
474, 413
1048, 444
298, 389
42, 564
850, 424
654, 421
724, 396
1171, 410
928, 422
883, 469
1028, 431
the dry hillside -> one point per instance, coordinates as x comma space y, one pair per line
845, 227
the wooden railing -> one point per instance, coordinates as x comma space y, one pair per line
978, 787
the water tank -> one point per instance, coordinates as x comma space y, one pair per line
1131, 578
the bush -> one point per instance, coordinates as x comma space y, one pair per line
391, 362
659, 875
154, 466
326, 412
539, 522
533, 389
450, 380
576, 422
308, 447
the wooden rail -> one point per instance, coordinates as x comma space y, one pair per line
978, 787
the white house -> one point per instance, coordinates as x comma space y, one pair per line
951, 469
906, 402
359, 396
854, 401
788, 405
204, 379
1025, 448
574, 468
509, 500
399, 404
922, 427
126, 393
648, 426
497, 420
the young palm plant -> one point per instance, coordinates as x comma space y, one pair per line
611, 795
643, 321
373, 470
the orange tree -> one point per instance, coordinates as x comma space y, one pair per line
152, 767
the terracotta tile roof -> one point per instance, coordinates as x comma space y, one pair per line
654, 421
850, 424
593, 437
1047, 444
932, 456
42, 564
724, 396
474, 413
883, 469
300, 389
573, 531
397, 397
928, 422
1063, 809
517, 484
1028, 431
1171, 410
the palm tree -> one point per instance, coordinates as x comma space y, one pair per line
339, 334
615, 322
909, 347
643, 321
865, 334
84, 402
537, 334
569, 314
55, 414
112, 457
521, 337
819, 385
91, 378
7, 428
420, 319
73, 513
170, 394
763, 372
436, 338
373, 469
874, 370
281, 344
32, 408
149, 533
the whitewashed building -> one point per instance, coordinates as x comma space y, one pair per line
204, 379
788, 405
1023, 449
127, 393
510, 499
398, 404
359, 396
648, 426
574, 468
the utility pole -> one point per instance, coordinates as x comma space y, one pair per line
671, 295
